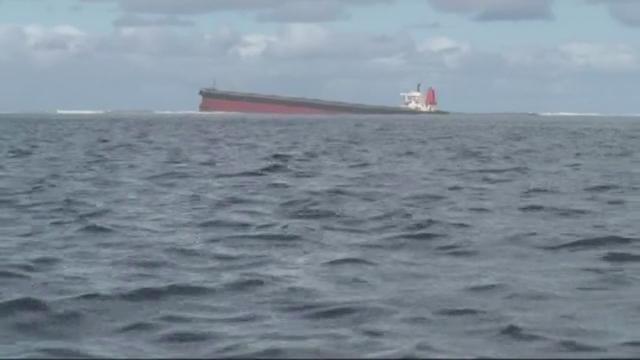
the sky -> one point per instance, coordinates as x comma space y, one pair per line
480, 55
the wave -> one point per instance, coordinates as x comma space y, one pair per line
191, 112
80, 112
583, 114
130, 112
178, 112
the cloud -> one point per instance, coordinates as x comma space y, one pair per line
265, 10
171, 64
41, 45
447, 50
159, 67
578, 57
129, 20
497, 10
607, 57
625, 11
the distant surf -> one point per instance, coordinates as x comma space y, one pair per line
582, 114
80, 112
568, 114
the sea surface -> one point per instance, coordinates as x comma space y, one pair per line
163, 235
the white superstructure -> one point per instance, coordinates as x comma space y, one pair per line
417, 101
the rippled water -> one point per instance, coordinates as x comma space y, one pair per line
192, 235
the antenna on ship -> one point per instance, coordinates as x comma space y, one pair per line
419, 84
213, 83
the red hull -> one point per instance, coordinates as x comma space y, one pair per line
209, 104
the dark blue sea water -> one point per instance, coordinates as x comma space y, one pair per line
255, 236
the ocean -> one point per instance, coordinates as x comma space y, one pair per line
164, 235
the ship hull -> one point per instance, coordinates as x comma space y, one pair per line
226, 101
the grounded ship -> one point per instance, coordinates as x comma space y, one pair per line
214, 100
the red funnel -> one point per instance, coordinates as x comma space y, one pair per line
431, 97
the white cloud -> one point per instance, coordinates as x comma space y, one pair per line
42, 45
253, 45
451, 52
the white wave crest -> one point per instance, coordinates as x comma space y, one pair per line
569, 114
80, 112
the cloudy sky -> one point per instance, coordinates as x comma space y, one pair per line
482, 55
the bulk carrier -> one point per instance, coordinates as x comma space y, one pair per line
214, 100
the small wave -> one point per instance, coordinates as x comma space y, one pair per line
422, 225
495, 180
281, 157
183, 251
184, 337
484, 288
517, 169
479, 210
274, 169
95, 228
360, 165
537, 190
554, 210
180, 318
419, 235
150, 293
93, 214
67, 317
517, 333
604, 241
460, 312
619, 257
170, 175
574, 346
279, 185
462, 253
426, 197
26, 267
268, 353
631, 343
240, 318
19, 153
349, 261
312, 214
264, 236
64, 353
225, 224
601, 188
163, 292
6, 274
146, 263
139, 326
245, 285
23, 304
250, 173
342, 311
449, 247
